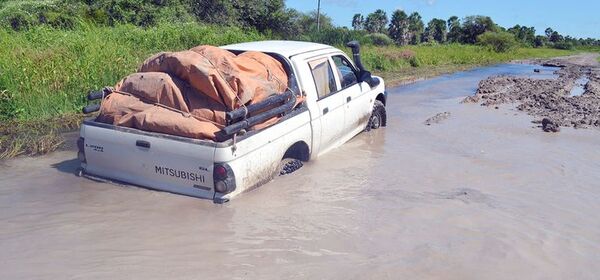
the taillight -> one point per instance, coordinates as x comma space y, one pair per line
220, 172
224, 180
81, 149
221, 186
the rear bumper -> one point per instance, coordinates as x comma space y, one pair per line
124, 183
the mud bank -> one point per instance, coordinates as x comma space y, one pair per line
572, 99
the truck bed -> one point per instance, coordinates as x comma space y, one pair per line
166, 162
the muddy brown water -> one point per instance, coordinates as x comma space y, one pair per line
480, 195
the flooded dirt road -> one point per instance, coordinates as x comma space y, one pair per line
478, 195
570, 100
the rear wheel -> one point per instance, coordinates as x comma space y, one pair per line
289, 165
378, 116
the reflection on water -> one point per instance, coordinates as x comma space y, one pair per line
449, 200
579, 87
466, 82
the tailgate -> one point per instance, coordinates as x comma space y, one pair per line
149, 160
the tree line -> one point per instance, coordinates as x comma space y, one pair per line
273, 17
405, 29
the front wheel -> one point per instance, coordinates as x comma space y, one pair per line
378, 116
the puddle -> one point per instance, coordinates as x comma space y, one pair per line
542, 72
466, 82
579, 87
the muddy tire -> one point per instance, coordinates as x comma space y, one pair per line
289, 165
378, 116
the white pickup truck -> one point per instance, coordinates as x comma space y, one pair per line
342, 99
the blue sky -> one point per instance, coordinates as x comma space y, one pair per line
578, 18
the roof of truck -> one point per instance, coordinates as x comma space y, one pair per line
285, 48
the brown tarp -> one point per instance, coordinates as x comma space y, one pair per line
221, 75
129, 111
187, 93
161, 88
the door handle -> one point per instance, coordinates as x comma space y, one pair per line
325, 111
143, 144
348, 98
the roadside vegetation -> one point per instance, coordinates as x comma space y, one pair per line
46, 72
408, 63
54, 51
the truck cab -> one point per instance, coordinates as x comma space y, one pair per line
341, 99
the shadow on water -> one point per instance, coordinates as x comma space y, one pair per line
68, 166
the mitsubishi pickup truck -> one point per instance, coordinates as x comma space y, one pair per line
341, 100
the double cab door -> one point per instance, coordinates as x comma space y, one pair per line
342, 103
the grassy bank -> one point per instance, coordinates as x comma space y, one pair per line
589, 49
403, 64
45, 73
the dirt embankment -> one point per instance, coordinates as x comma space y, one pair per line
570, 100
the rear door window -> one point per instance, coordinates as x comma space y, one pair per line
345, 71
323, 76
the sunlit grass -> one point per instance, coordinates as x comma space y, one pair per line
46, 72
399, 58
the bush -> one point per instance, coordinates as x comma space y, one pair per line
379, 39
19, 21
66, 14
137, 12
375, 60
57, 20
498, 41
22, 15
414, 61
563, 45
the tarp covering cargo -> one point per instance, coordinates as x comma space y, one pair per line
187, 93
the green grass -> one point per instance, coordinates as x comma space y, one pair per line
35, 137
46, 72
398, 58
588, 48
404, 64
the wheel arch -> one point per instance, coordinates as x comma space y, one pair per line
382, 97
299, 151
